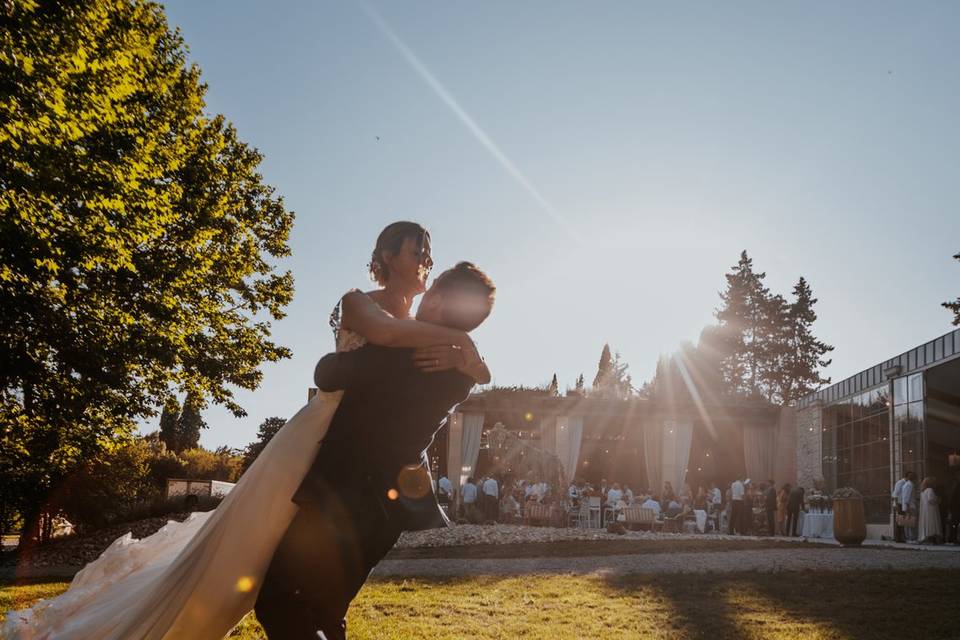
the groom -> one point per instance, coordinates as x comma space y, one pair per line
371, 479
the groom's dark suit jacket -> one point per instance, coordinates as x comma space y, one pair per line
373, 455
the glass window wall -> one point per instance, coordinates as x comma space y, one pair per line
856, 448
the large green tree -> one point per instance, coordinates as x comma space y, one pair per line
749, 317
268, 429
802, 354
138, 243
765, 344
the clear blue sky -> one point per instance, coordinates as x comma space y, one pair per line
604, 162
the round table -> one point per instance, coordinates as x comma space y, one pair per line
816, 525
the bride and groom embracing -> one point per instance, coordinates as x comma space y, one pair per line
329, 495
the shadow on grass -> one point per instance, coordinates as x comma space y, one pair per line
874, 604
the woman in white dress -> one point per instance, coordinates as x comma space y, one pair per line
928, 524
198, 578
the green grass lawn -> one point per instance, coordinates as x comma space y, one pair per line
808, 606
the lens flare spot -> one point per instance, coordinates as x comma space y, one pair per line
393, 494
528, 416
245, 584
413, 481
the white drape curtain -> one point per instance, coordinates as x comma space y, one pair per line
653, 455
470, 444
682, 440
548, 434
759, 451
676, 436
569, 436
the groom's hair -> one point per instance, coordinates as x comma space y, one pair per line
466, 278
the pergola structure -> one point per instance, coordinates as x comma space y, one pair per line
639, 442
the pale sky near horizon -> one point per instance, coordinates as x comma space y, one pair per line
604, 162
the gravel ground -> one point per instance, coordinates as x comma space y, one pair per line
467, 534
832, 558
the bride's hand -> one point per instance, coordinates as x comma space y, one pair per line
465, 358
439, 358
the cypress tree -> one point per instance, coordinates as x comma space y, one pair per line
190, 423
169, 431
804, 353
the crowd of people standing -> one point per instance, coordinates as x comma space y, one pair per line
928, 514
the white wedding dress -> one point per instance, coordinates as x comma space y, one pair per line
193, 579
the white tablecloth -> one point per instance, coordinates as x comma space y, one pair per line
816, 525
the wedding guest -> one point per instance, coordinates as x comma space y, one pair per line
674, 508
491, 498
628, 494
895, 495
770, 507
735, 523
686, 495
954, 511
749, 504
782, 498
941, 490
928, 526
445, 490
614, 495
468, 495
908, 506
529, 489
510, 508
794, 502
668, 493
573, 493
652, 503
715, 498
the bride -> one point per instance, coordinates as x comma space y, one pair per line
197, 578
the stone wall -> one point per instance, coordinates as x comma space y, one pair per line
809, 456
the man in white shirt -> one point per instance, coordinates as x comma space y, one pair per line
736, 514
628, 494
907, 504
528, 490
468, 494
614, 495
491, 498
895, 495
445, 489
650, 503
716, 498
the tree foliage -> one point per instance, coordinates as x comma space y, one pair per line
612, 379
955, 305
554, 388
765, 345
268, 428
137, 241
802, 354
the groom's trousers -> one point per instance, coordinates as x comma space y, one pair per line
320, 564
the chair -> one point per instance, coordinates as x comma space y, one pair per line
583, 516
536, 513
594, 502
674, 524
573, 516
639, 517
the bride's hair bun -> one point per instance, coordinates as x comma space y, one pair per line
391, 240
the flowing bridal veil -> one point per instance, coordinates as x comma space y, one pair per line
194, 579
